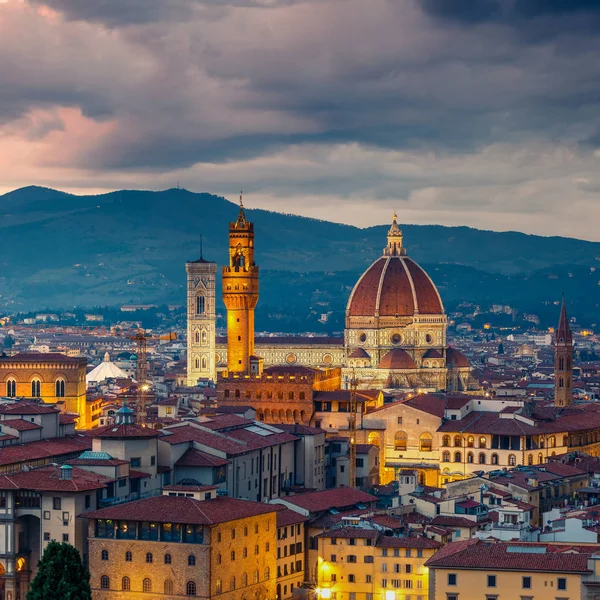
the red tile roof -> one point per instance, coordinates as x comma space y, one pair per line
27, 408
350, 533
189, 488
176, 509
43, 357
326, 499
194, 458
453, 522
287, 516
20, 424
43, 449
48, 479
129, 430
224, 421
494, 555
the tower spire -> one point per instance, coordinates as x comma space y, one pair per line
241, 220
563, 360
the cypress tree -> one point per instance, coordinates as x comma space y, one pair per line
61, 575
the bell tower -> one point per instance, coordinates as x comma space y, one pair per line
240, 295
201, 320
563, 361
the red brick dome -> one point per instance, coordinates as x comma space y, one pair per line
394, 286
455, 358
397, 359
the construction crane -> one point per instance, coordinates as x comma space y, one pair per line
352, 429
141, 339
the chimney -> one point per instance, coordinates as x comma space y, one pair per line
65, 472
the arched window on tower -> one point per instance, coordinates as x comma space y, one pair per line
446, 441
197, 363
60, 388
426, 442
36, 387
204, 363
197, 337
200, 305
457, 441
11, 388
204, 336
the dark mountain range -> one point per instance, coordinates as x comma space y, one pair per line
61, 250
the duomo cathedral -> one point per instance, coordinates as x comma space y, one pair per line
395, 329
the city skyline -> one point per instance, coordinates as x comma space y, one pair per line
484, 118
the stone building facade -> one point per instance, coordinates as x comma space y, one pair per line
201, 320
176, 547
279, 394
55, 378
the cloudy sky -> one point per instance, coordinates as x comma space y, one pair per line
476, 112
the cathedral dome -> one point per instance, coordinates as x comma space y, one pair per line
394, 286
397, 359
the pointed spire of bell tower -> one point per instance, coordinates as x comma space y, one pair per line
563, 360
241, 220
394, 239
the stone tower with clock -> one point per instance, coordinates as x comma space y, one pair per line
201, 320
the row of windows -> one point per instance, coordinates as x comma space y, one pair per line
191, 560
190, 586
401, 441
408, 553
246, 530
268, 394
526, 582
36, 386
244, 580
481, 459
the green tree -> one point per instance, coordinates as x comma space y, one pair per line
61, 575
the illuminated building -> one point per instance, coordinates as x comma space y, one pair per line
395, 335
187, 542
493, 570
290, 552
240, 295
55, 378
363, 562
201, 320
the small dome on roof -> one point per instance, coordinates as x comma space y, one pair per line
455, 358
359, 353
397, 359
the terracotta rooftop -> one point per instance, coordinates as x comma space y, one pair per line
43, 449
394, 286
20, 424
48, 479
195, 458
27, 408
129, 430
514, 556
341, 497
43, 357
176, 509
287, 516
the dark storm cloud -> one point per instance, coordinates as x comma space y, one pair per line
121, 13
533, 19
